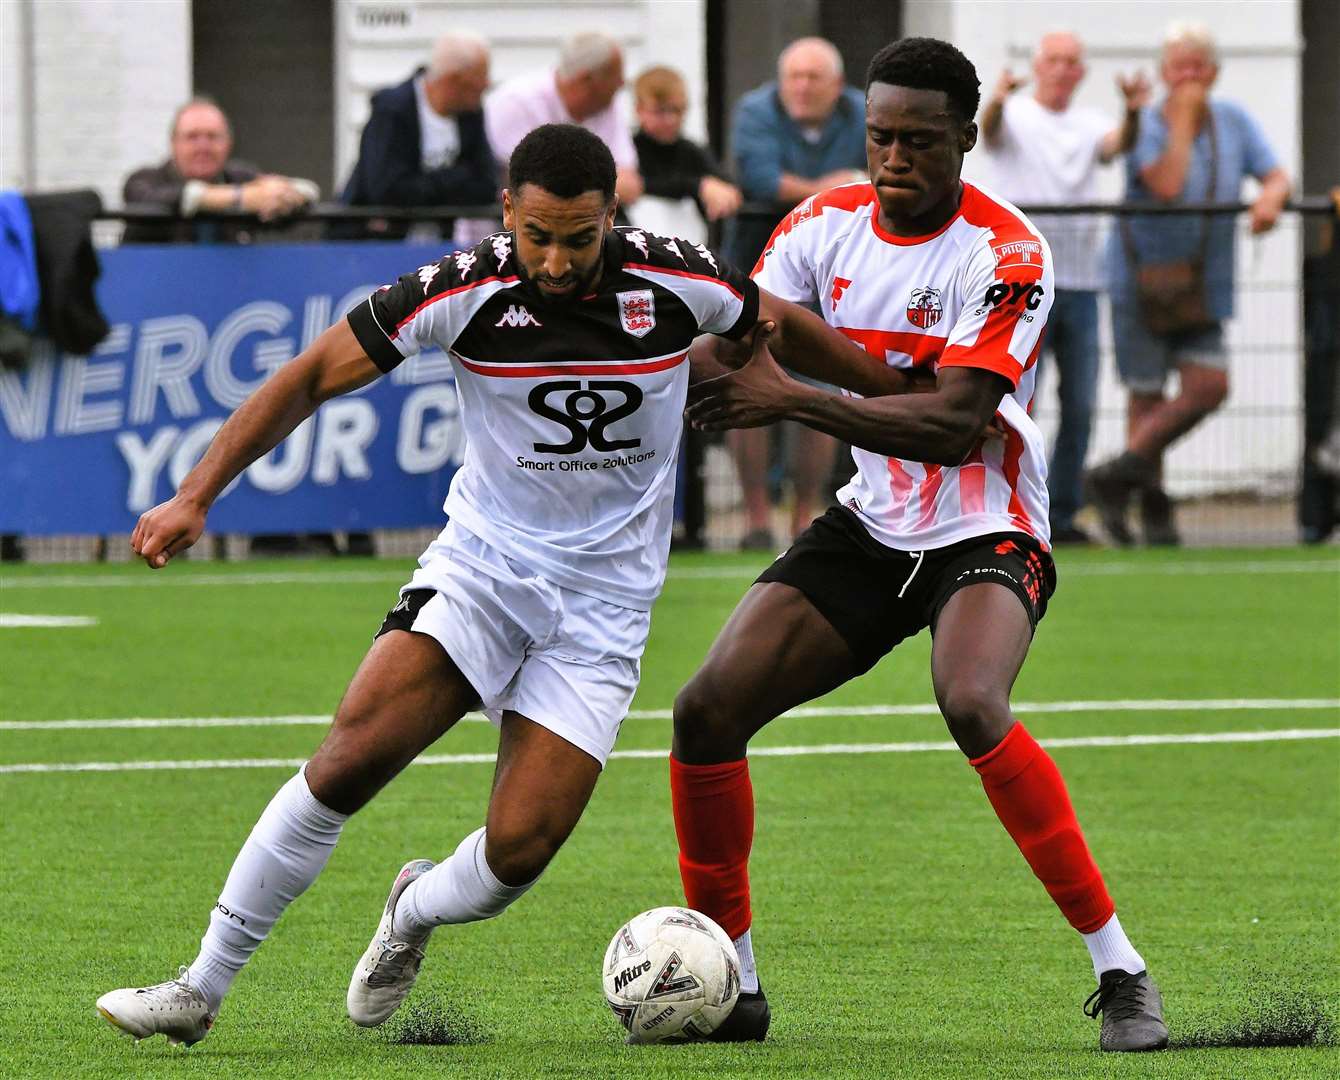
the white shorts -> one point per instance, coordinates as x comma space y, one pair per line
567, 661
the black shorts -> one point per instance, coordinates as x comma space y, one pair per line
876, 596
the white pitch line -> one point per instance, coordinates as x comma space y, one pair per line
1199, 738
169, 578
15, 622
805, 712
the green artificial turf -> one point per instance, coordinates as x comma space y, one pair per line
898, 931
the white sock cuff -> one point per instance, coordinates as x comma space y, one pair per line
486, 874
744, 950
307, 808
1110, 949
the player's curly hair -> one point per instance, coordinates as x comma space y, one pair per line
565, 160
929, 64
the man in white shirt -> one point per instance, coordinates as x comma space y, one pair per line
581, 90
1045, 150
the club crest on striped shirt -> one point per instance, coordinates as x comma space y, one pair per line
924, 308
637, 311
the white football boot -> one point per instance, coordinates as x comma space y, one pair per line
174, 1008
386, 973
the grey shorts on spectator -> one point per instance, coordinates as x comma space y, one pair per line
1144, 359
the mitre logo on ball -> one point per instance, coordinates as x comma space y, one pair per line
924, 308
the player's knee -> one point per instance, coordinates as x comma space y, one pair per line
978, 715
518, 852
707, 722
351, 764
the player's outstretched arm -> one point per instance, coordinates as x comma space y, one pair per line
334, 364
806, 344
942, 426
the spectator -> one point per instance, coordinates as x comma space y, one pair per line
200, 176
424, 144
672, 167
1173, 277
1046, 150
791, 138
580, 90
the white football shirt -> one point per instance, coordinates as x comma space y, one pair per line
573, 411
974, 294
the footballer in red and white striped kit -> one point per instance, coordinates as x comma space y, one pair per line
944, 525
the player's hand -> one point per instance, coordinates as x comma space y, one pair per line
1135, 89
1008, 83
720, 199
757, 394
169, 528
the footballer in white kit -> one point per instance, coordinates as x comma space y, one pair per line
569, 341
944, 526
540, 586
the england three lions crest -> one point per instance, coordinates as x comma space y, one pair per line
637, 312
924, 308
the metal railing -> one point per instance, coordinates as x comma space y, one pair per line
1241, 478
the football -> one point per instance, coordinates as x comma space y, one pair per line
671, 975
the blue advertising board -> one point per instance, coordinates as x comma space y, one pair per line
87, 443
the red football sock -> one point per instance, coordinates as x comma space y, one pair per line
714, 820
1029, 796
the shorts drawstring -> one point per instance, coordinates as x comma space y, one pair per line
920, 556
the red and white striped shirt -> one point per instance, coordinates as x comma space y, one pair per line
974, 294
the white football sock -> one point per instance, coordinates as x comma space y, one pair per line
1111, 949
283, 855
461, 889
744, 949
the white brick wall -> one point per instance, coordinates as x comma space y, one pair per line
380, 42
105, 78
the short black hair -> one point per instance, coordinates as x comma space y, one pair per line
564, 159
924, 63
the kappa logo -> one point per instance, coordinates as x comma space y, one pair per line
924, 308
639, 240
708, 256
673, 248
637, 312
502, 249
840, 285
465, 260
517, 315
427, 273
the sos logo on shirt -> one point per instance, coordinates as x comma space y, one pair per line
586, 410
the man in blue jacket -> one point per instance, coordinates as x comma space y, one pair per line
424, 144
792, 138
